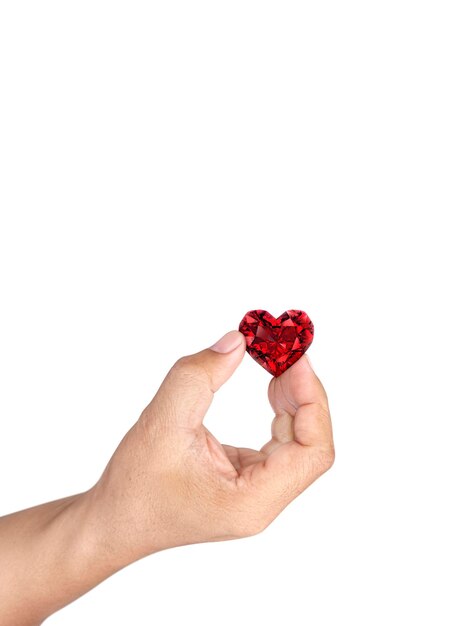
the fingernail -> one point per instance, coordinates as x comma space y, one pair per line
228, 342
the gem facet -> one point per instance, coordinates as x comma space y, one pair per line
276, 344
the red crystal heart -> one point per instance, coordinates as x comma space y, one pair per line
276, 343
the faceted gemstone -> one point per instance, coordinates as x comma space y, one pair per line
276, 344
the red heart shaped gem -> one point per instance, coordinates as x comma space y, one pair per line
276, 343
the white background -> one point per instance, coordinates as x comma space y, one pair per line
167, 166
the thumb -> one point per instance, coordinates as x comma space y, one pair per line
187, 390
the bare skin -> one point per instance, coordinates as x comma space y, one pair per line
169, 483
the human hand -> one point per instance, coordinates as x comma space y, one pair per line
170, 482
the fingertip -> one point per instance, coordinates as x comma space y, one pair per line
304, 365
223, 357
229, 342
302, 383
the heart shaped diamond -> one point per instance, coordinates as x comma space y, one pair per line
276, 343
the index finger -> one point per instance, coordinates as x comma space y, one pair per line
301, 458
297, 386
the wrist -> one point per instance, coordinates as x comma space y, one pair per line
100, 541
55, 555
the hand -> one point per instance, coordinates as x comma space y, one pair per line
170, 482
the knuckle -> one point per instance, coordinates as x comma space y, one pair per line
250, 527
258, 526
183, 365
249, 518
325, 457
312, 466
330, 455
146, 423
188, 370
